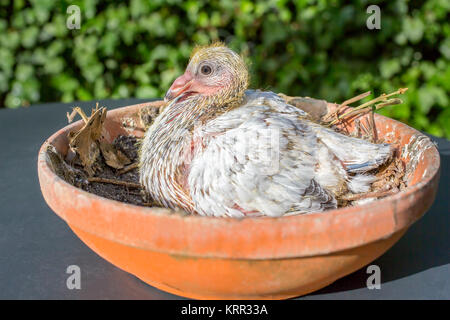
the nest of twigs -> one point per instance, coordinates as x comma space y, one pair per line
111, 169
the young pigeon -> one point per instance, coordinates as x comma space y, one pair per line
220, 150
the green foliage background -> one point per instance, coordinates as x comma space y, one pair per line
321, 49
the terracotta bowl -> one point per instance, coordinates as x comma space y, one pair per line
251, 258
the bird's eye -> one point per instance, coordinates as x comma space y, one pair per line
205, 70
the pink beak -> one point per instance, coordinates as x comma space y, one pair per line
180, 85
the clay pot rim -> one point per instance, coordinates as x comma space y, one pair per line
194, 241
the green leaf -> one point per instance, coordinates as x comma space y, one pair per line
84, 94
23, 72
54, 65
413, 28
29, 36
64, 83
146, 92
12, 101
444, 48
389, 67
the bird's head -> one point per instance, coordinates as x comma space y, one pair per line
215, 72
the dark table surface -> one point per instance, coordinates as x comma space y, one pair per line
36, 246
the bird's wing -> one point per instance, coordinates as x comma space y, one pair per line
357, 155
257, 161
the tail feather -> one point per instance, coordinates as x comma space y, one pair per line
357, 155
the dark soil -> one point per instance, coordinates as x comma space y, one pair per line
129, 146
74, 173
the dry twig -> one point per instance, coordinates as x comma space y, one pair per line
335, 114
374, 194
129, 168
364, 107
116, 182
